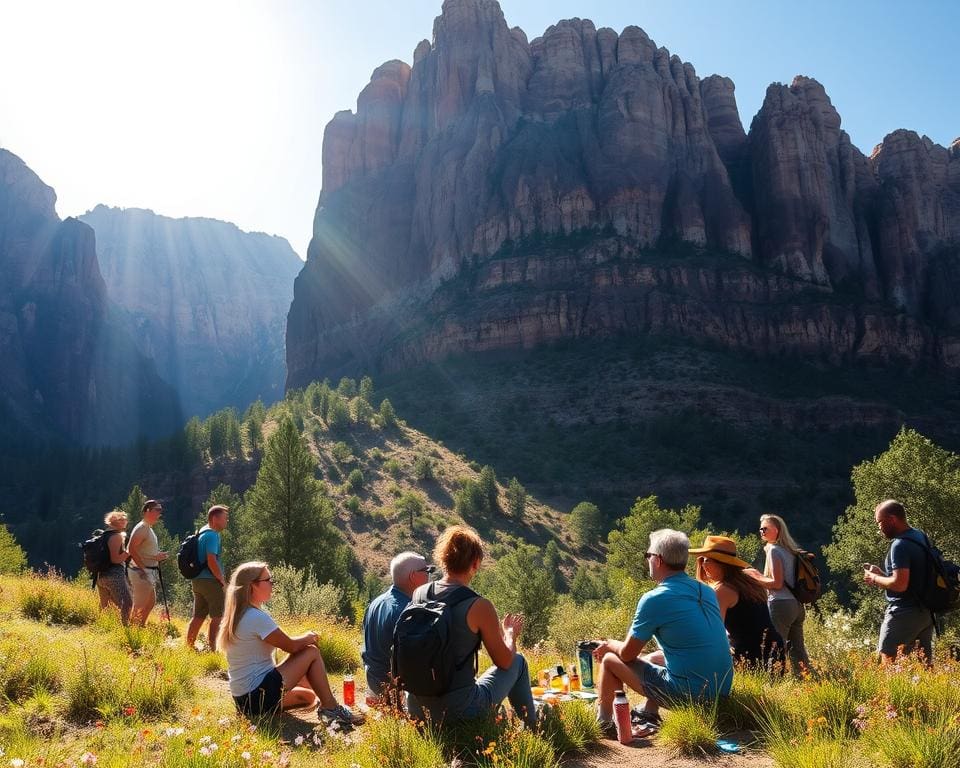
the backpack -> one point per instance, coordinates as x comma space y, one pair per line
96, 552
188, 556
422, 662
940, 591
807, 587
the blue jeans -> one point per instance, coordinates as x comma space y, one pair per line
486, 693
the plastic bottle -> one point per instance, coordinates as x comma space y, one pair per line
574, 678
621, 716
556, 680
566, 683
348, 690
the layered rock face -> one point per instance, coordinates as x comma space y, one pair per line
495, 155
69, 368
207, 301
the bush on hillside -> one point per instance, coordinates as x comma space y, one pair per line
519, 583
12, 557
296, 592
355, 480
423, 468
516, 499
51, 600
341, 452
587, 524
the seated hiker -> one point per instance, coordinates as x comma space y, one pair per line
473, 621
743, 604
408, 571
694, 662
112, 583
249, 635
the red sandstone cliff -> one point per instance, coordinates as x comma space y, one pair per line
445, 194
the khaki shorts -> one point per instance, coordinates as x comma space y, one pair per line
143, 589
207, 598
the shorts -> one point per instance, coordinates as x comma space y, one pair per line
266, 698
144, 590
907, 627
207, 598
663, 688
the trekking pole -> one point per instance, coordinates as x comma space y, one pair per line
163, 594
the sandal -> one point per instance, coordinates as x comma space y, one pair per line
641, 717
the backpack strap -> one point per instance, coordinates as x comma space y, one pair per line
458, 595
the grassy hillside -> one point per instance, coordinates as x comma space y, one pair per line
610, 420
79, 689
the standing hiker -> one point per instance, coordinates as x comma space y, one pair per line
112, 582
208, 586
145, 556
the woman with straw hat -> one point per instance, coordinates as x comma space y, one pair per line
743, 603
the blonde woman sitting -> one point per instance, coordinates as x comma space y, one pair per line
249, 635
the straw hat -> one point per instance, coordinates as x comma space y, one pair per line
722, 549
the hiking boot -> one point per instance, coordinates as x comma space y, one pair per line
340, 716
608, 729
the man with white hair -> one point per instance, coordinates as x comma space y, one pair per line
408, 570
693, 662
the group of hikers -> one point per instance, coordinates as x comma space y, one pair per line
729, 614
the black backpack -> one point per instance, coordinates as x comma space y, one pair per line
807, 587
940, 591
188, 556
96, 552
422, 662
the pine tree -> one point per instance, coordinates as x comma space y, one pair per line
516, 499
286, 517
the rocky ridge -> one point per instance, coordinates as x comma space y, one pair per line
207, 301
463, 171
70, 369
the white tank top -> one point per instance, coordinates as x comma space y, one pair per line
148, 547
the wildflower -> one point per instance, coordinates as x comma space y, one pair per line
251, 729
16, 762
284, 760
88, 758
223, 722
206, 739
129, 711
299, 741
98, 724
245, 755
235, 738
267, 755
205, 751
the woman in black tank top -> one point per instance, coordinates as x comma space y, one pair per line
743, 604
474, 621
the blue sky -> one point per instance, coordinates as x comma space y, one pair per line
217, 107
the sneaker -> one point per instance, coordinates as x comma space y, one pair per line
642, 717
608, 729
341, 716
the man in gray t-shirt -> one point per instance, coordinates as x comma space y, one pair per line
907, 623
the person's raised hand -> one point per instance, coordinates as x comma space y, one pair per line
513, 622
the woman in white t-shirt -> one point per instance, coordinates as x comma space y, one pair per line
779, 575
249, 635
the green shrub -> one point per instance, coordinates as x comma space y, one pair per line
51, 600
296, 593
26, 667
352, 504
912, 743
423, 468
341, 452
392, 468
392, 742
571, 727
690, 731
355, 480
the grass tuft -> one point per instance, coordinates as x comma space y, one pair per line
571, 727
690, 731
51, 600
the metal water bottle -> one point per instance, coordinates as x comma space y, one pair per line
621, 717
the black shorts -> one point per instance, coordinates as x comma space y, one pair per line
265, 699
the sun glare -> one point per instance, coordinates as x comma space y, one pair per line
161, 88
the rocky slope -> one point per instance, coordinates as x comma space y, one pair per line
207, 301
69, 367
500, 193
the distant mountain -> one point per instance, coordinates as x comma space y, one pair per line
207, 301
567, 258
447, 194
70, 369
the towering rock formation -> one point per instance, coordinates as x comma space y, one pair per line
69, 368
205, 300
501, 193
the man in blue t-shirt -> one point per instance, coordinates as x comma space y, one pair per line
408, 570
683, 616
208, 586
907, 623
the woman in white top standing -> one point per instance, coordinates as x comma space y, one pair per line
779, 574
249, 635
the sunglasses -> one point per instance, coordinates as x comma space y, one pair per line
651, 554
270, 580
427, 569
763, 529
